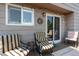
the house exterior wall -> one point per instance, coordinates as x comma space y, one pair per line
76, 24
75, 15
68, 22
73, 19
27, 32
63, 27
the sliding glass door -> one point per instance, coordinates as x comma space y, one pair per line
53, 28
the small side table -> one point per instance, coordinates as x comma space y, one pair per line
51, 42
31, 46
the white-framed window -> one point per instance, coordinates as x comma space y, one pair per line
18, 15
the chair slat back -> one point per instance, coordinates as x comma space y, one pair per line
0, 42
9, 42
76, 35
13, 41
17, 41
37, 35
4, 43
40, 36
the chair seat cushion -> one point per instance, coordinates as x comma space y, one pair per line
71, 39
72, 36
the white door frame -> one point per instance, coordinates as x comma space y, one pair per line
49, 14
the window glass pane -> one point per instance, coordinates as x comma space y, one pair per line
27, 17
14, 15
50, 26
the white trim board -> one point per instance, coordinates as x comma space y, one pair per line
22, 9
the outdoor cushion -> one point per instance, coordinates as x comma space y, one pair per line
72, 36
71, 39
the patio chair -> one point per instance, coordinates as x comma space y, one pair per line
72, 36
11, 46
42, 44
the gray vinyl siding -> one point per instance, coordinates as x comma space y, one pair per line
76, 25
63, 27
75, 7
68, 22
26, 32
75, 18
72, 21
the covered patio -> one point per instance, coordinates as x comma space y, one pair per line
38, 15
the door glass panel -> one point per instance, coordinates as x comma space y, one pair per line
50, 27
56, 28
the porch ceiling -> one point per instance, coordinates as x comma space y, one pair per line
48, 6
